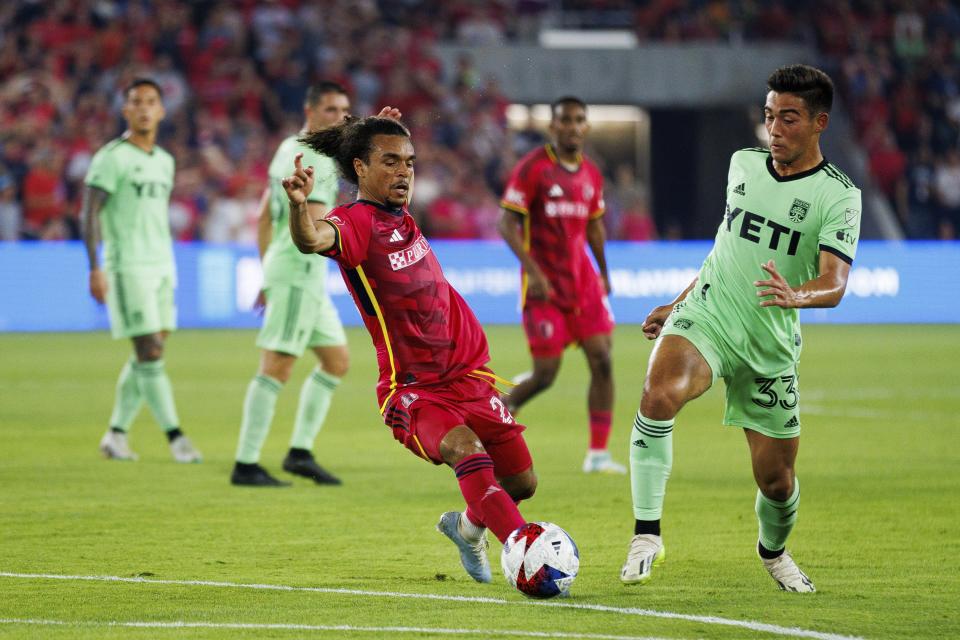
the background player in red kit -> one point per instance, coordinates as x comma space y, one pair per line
434, 391
552, 207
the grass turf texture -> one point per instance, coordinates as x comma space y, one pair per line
877, 530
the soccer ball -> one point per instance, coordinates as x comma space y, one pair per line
540, 559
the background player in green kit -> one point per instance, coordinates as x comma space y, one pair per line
787, 241
127, 199
299, 313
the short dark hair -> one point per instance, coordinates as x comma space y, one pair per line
812, 85
319, 89
566, 100
353, 138
142, 82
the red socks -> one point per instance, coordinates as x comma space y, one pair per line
488, 504
599, 429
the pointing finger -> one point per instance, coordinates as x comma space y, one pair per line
297, 161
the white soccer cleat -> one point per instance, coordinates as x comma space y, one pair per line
473, 553
114, 446
599, 461
787, 574
646, 552
183, 450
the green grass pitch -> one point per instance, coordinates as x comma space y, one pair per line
878, 527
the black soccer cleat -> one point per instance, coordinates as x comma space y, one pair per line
253, 475
300, 462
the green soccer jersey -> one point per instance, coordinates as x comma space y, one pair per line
135, 220
283, 264
787, 219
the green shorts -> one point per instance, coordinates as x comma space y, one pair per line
140, 304
767, 402
296, 319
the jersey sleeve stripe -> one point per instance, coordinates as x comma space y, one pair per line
512, 207
386, 336
837, 252
838, 175
337, 247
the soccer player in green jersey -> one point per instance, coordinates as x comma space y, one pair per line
127, 199
299, 313
786, 242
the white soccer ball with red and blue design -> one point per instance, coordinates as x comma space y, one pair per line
540, 559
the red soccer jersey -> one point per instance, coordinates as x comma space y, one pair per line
424, 332
557, 204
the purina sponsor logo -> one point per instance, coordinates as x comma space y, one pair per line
411, 255
565, 209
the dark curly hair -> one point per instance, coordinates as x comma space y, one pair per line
813, 86
352, 139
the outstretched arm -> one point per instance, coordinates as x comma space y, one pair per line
824, 291
538, 287
310, 234
596, 238
93, 201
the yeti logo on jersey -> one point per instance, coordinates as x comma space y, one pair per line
555, 191
408, 399
850, 215
682, 323
799, 210
411, 255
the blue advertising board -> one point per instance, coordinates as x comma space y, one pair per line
43, 286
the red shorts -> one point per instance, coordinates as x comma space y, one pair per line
550, 329
421, 417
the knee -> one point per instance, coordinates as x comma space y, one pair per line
521, 486
543, 378
148, 348
778, 485
338, 366
278, 366
660, 402
458, 444
601, 365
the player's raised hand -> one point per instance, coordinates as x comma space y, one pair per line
653, 324
390, 112
98, 285
300, 184
776, 286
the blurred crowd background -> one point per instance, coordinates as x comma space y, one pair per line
234, 76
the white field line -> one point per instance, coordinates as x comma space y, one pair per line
181, 624
630, 611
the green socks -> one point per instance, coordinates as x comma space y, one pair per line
128, 399
651, 457
315, 396
156, 390
258, 408
777, 518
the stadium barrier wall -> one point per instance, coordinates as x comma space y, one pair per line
43, 286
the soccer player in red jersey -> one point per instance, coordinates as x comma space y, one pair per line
552, 208
435, 391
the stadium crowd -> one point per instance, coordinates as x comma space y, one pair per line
234, 76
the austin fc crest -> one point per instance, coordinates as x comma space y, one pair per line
799, 210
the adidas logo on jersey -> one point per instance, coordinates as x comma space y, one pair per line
396, 236
555, 191
740, 189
